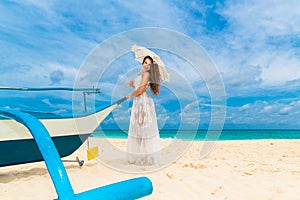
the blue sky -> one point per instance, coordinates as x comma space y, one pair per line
255, 46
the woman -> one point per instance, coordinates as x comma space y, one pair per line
143, 147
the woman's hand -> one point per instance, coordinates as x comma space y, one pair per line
128, 96
130, 84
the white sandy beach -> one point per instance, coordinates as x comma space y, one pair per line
256, 169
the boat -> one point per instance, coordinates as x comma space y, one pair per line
67, 133
25, 138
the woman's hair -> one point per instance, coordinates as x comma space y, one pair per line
154, 76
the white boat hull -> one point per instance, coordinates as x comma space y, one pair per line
17, 145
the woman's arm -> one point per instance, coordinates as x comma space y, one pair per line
142, 88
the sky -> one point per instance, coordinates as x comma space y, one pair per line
254, 46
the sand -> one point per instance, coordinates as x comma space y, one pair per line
248, 169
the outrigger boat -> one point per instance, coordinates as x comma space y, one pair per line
17, 146
53, 138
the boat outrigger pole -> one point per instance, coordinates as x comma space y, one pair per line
85, 91
89, 90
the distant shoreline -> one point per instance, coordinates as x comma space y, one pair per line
201, 135
271, 129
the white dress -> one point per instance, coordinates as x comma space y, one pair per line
143, 147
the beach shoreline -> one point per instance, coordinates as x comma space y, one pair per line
245, 169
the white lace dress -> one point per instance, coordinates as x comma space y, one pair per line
143, 147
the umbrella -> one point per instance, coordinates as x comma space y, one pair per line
141, 52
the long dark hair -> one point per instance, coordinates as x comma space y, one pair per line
154, 76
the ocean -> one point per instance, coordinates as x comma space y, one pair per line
201, 134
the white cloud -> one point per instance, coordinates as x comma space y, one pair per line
258, 34
282, 69
268, 17
266, 114
245, 107
267, 109
285, 110
190, 114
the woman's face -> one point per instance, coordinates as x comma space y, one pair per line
147, 64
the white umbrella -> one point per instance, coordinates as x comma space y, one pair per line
141, 52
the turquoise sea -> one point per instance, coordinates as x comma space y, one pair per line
201, 134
